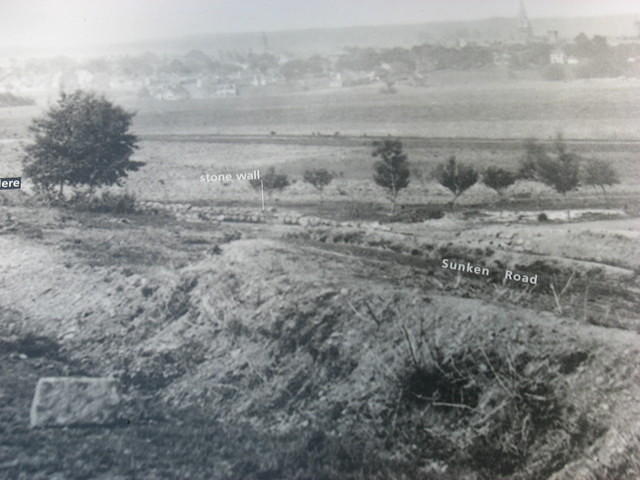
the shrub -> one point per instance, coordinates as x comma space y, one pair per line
416, 214
455, 177
117, 203
529, 163
271, 181
319, 178
483, 406
498, 179
597, 173
597, 68
559, 170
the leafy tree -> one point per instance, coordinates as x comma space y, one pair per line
585, 48
82, 140
198, 61
498, 179
528, 165
597, 173
299, 67
582, 46
293, 69
558, 170
271, 181
391, 172
138, 66
319, 178
359, 59
262, 62
456, 177
530, 55
598, 59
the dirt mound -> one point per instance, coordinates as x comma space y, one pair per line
596, 292
248, 335
338, 381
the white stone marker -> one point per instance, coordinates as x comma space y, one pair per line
61, 401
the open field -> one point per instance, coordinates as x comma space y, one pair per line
175, 164
589, 109
183, 140
606, 109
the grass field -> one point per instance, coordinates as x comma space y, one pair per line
175, 165
605, 109
598, 109
482, 123
453, 116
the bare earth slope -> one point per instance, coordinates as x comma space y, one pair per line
374, 367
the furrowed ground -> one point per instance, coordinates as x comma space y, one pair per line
238, 364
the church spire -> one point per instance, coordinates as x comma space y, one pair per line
524, 25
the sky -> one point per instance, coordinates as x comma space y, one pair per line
61, 23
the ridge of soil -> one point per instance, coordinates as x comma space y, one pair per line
236, 363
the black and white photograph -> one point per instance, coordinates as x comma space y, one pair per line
319, 240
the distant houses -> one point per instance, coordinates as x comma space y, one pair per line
226, 74
188, 89
226, 90
170, 93
559, 56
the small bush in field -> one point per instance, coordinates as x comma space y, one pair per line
456, 177
319, 178
558, 170
118, 203
271, 181
498, 179
597, 173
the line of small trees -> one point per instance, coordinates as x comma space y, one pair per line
273, 181
557, 168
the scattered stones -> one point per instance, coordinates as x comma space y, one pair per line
65, 401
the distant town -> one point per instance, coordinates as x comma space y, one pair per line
200, 74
